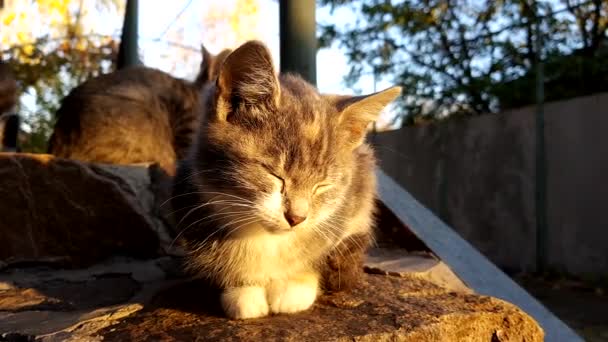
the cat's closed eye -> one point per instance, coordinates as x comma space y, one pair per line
321, 187
273, 174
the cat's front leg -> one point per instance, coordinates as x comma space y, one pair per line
245, 302
295, 294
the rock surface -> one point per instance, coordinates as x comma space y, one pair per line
66, 212
75, 303
125, 299
382, 308
85, 256
393, 261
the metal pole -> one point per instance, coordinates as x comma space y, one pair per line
127, 52
374, 128
298, 38
541, 172
10, 138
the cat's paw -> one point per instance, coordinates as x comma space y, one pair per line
245, 302
293, 295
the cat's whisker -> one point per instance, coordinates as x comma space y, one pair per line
358, 244
221, 214
227, 225
198, 205
339, 240
221, 211
333, 242
226, 203
234, 229
229, 180
208, 192
196, 173
177, 196
212, 201
320, 232
198, 221
225, 194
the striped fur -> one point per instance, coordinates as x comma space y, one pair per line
134, 115
273, 145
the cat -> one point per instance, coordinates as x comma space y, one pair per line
133, 115
210, 66
275, 198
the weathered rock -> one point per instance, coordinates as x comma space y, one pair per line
25, 299
58, 212
80, 325
395, 262
75, 302
62, 295
139, 300
381, 308
71, 212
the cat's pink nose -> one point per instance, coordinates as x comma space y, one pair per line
293, 219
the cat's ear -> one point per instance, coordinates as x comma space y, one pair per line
204, 73
247, 78
357, 112
210, 66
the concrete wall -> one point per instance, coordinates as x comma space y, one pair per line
478, 175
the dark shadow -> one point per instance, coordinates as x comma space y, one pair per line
391, 232
192, 296
10, 134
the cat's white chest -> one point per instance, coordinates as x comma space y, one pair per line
272, 256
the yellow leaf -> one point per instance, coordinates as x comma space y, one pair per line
81, 45
9, 19
22, 37
28, 49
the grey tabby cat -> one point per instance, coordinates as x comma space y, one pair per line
133, 115
276, 198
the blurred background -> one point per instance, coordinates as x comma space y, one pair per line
452, 57
500, 130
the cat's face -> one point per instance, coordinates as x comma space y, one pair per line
289, 174
278, 155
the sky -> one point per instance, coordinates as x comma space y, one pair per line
157, 15
163, 22
171, 33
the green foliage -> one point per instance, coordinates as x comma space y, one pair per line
462, 57
568, 76
47, 70
51, 47
40, 130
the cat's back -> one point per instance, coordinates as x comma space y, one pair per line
127, 92
134, 115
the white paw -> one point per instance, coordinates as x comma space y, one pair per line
292, 295
245, 302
